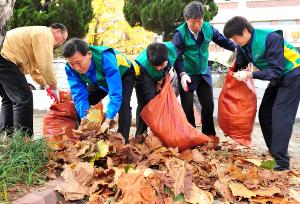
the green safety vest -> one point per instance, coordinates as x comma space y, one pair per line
142, 60
97, 51
195, 57
258, 49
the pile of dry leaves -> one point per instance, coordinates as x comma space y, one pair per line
102, 169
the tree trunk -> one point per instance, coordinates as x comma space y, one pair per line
6, 11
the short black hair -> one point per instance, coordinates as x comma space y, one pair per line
236, 26
157, 53
73, 45
193, 10
59, 26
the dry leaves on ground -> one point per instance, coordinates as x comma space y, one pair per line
104, 168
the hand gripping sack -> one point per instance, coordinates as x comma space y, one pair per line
61, 119
166, 119
237, 108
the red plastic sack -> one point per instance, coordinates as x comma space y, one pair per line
61, 118
237, 108
166, 119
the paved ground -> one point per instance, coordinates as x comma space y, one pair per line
258, 141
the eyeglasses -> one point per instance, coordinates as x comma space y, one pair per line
63, 37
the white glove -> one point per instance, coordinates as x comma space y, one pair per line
184, 80
172, 74
104, 127
240, 75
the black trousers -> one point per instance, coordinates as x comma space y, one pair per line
277, 115
205, 95
17, 100
96, 95
145, 89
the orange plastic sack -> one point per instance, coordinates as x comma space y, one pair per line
237, 108
61, 118
166, 119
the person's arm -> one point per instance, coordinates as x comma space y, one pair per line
148, 86
241, 60
222, 41
114, 82
79, 92
43, 54
274, 55
178, 42
37, 77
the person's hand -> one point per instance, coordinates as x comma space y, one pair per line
105, 126
56, 93
171, 74
184, 80
242, 75
53, 93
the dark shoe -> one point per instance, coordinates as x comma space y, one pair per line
281, 168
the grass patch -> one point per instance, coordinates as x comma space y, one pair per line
22, 161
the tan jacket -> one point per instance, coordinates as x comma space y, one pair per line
31, 48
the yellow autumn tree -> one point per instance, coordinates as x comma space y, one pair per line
110, 28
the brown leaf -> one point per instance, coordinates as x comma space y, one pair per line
75, 179
132, 154
96, 199
82, 147
267, 192
295, 194
56, 142
177, 169
153, 142
199, 196
153, 159
264, 200
186, 155
222, 187
198, 156
95, 114
139, 191
240, 190
236, 173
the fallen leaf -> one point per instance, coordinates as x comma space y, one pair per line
177, 169
295, 194
75, 177
153, 142
267, 192
95, 114
102, 149
139, 191
264, 200
200, 196
222, 186
240, 190
256, 162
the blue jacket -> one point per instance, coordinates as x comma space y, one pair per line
113, 79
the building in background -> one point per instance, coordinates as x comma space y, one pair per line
272, 14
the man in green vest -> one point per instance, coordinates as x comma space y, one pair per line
192, 40
278, 62
96, 71
154, 63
